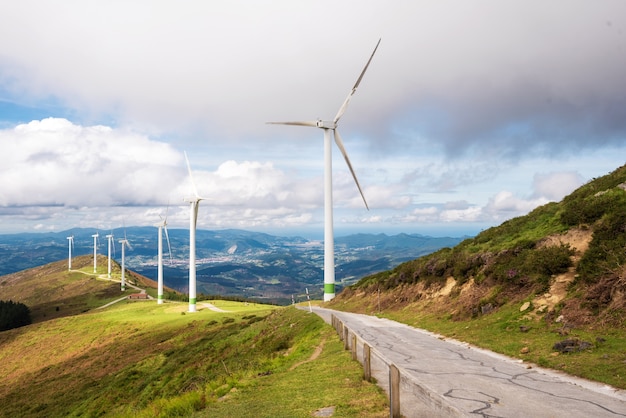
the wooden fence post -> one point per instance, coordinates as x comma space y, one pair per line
353, 347
367, 363
346, 340
394, 391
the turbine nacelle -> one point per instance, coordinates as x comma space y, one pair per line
326, 124
125, 242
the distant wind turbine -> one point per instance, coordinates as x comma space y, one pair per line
110, 238
194, 203
328, 126
95, 247
70, 245
162, 226
124, 242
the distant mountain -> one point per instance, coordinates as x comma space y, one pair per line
231, 261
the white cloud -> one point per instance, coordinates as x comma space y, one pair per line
56, 163
555, 186
462, 111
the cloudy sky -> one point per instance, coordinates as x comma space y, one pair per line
471, 112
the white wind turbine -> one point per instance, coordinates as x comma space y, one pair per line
110, 238
124, 242
95, 247
162, 227
328, 126
70, 245
194, 203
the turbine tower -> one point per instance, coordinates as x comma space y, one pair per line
70, 245
194, 203
124, 242
95, 246
327, 126
110, 238
162, 227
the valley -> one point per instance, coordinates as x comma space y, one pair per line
231, 262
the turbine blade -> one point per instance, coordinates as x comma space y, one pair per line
193, 183
344, 106
169, 248
342, 148
312, 123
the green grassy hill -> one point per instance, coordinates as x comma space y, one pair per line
557, 274
140, 359
51, 291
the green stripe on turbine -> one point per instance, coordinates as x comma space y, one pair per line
192, 301
329, 288
160, 297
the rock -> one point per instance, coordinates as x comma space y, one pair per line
524, 328
559, 319
525, 306
563, 331
324, 412
485, 309
524, 350
571, 345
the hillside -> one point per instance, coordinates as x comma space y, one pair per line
141, 359
557, 274
51, 291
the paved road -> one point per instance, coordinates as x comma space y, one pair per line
449, 378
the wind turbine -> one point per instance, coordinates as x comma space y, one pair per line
70, 245
124, 242
194, 203
162, 226
328, 126
95, 246
110, 238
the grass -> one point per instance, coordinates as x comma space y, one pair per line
144, 359
500, 332
309, 387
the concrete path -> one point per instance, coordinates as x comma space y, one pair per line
449, 378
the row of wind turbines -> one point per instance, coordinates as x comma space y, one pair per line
162, 226
327, 126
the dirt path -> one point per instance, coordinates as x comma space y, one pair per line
106, 277
316, 354
213, 307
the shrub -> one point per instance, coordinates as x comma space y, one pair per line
13, 315
606, 249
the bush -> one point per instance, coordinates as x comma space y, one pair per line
13, 315
524, 266
606, 249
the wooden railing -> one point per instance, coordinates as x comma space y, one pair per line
407, 397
